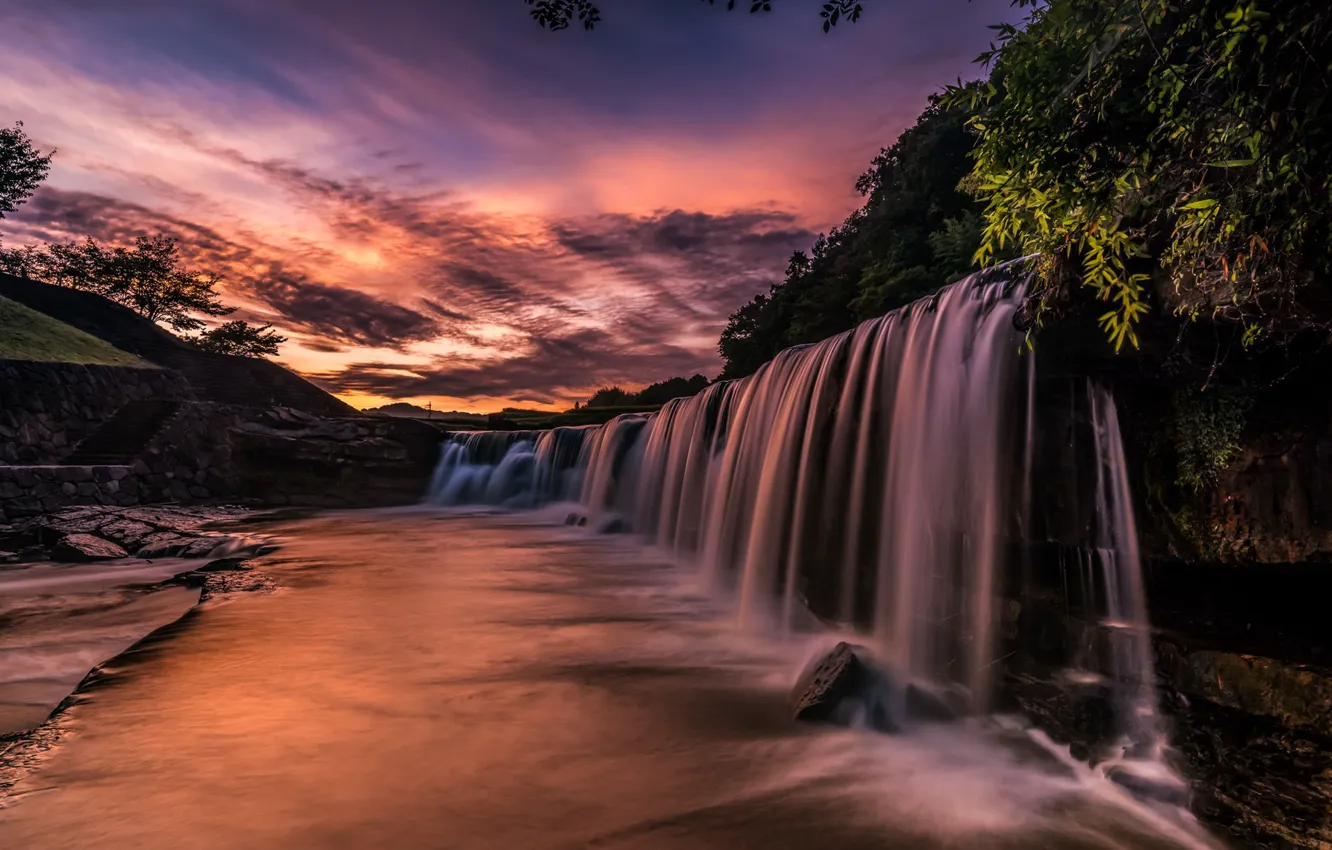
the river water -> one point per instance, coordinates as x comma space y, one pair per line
430, 679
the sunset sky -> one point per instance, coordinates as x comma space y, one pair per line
437, 201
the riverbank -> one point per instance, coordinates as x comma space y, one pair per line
65, 624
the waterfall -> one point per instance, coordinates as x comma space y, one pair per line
876, 480
866, 477
1125, 620
512, 469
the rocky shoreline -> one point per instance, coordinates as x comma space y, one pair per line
101, 534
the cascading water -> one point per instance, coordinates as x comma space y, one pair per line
512, 469
875, 479
867, 477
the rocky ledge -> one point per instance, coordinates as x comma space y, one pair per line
102, 532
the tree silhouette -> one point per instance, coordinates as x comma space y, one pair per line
560, 14
148, 278
241, 338
22, 168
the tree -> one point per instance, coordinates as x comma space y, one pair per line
22, 168
917, 231
148, 278
241, 338
609, 397
559, 14
1183, 146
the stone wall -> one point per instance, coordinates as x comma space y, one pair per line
31, 490
47, 408
212, 454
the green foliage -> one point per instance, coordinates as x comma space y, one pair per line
1189, 136
147, 278
560, 14
241, 338
916, 232
1207, 428
22, 168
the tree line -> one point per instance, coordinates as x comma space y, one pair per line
1170, 155
150, 278
654, 394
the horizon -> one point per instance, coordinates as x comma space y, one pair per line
443, 204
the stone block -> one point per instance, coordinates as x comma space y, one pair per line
87, 488
117, 472
69, 488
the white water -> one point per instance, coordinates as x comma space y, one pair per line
875, 478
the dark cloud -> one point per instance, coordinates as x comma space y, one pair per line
662, 284
551, 367
332, 314
338, 314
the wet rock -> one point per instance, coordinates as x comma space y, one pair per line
163, 544
224, 565
8, 557
842, 687
85, 547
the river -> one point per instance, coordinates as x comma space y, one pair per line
436, 679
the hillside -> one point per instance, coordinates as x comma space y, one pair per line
26, 334
221, 378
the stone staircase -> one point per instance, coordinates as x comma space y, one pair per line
123, 437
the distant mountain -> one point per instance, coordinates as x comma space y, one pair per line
403, 410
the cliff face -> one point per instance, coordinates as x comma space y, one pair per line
1230, 456
285, 458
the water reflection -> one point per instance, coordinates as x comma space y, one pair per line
485, 682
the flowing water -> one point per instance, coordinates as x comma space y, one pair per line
443, 677
868, 478
874, 481
425, 680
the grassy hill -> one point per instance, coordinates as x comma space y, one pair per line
222, 378
26, 334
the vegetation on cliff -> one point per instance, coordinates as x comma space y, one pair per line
917, 231
1183, 144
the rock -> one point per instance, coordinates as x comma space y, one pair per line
842, 687
126, 531
163, 544
224, 565
8, 557
85, 547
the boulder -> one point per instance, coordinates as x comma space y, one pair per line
85, 547
843, 687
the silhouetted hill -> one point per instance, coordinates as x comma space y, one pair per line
221, 378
